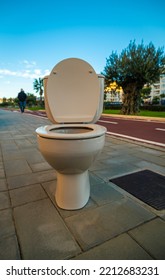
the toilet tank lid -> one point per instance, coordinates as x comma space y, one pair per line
73, 91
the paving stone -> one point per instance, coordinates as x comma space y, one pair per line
151, 236
151, 166
152, 158
6, 223
151, 151
102, 223
122, 247
16, 167
23, 143
42, 233
9, 249
126, 159
94, 180
9, 145
46, 231
4, 200
27, 194
33, 156
3, 185
12, 155
115, 170
2, 173
34, 178
104, 193
40, 166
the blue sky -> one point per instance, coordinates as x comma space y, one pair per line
35, 35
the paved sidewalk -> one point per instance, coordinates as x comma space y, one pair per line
113, 225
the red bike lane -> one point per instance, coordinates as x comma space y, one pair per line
153, 131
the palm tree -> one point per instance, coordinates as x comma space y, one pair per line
38, 87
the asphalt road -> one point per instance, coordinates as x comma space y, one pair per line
143, 130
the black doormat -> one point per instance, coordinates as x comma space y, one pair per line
146, 185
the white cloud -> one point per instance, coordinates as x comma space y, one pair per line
7, 72
46, 72
37, 71
28, 64
29, 74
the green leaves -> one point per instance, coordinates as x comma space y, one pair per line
136, 66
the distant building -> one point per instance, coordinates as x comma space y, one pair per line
158, 88
114, 93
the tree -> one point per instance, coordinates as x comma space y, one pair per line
31, 99
38, 87
136, 66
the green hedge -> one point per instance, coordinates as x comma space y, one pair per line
158, 108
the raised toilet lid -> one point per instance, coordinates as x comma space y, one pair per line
73, 91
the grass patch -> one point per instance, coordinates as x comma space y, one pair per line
35, 108
145, 113
112, 111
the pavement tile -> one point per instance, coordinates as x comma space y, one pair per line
104, 193
151, 166
42, 233
34, 178
122, 247
151, 151
4, 200
2, 173
16, 167
115, 170
150, 157
6, 223
32, 156
5, 135
23, 143
3, 185
94, 180
41, 166
9, 145
151, 236
115, 160
26, 194
120, 226
102, 223
12, 155
9, 249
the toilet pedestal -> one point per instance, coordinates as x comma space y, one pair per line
72, 191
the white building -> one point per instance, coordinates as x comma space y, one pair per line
158, 88
114, 93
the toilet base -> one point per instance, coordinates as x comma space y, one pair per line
72, 191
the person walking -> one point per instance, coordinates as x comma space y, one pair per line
22, 100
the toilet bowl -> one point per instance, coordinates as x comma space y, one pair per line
73, 102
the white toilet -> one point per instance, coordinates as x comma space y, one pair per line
73, 102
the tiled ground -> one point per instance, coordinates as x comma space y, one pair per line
113, 225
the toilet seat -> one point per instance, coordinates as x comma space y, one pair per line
71, 131
73, 92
